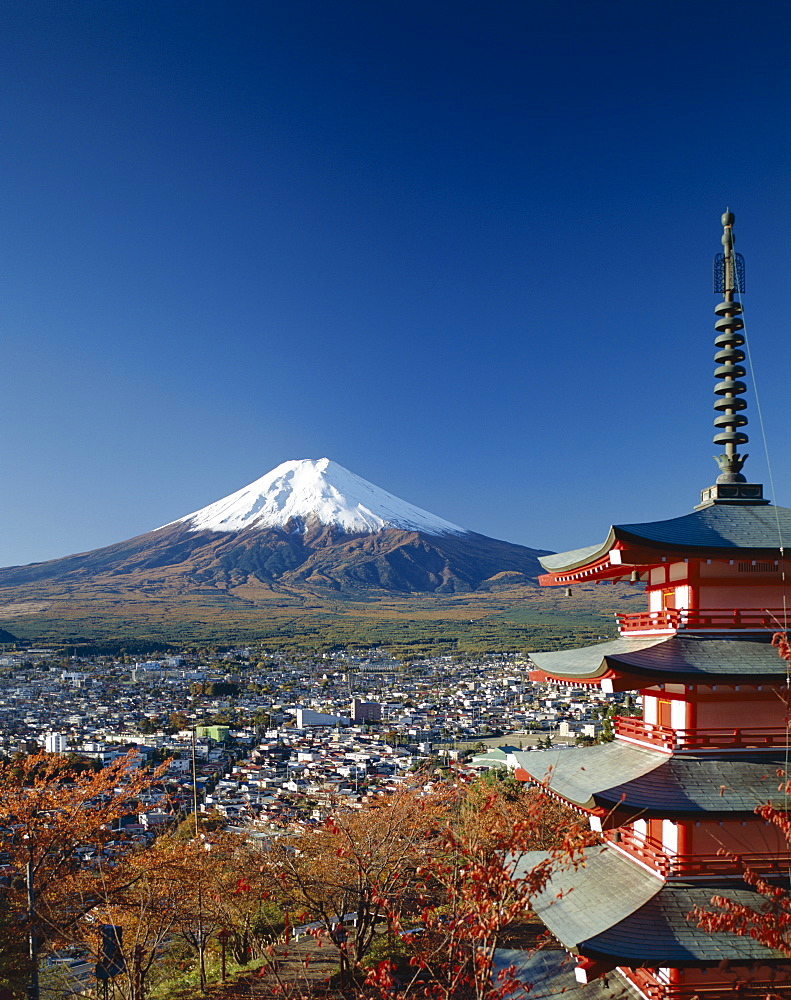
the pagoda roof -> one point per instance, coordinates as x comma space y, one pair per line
612, 908
547, 972
633, 779
677, 658
720, 528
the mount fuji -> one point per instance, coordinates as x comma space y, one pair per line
308, 524
311, 492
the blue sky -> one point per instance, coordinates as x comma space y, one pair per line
463, 249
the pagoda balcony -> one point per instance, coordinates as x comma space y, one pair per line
633, 730
684, 866
724, 989
702, 620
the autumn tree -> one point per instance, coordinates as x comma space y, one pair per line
361, 863
245, 906
211, 882
144, 910
55, 825
481, 880
437, 872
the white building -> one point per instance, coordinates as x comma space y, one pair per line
55, 743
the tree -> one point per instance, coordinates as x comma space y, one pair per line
499, 780
607, 735
177, 721
448, 862
55, 825
197, 868
177, 894
360, 863
245, 908
477, 883
143, 913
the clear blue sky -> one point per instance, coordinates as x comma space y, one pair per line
462, 248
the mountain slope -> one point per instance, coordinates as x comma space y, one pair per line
307, 524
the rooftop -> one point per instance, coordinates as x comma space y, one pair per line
720, 528
612, 909
680, 658
631, 778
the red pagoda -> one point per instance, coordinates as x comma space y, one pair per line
675, 793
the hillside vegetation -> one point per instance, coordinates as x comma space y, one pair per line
515, 619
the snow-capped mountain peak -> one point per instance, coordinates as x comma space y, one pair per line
311, 490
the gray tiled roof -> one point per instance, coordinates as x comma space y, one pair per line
574, 557
594, 897
721, 526
581, 773
617, 774
612, 908
588, 661
694, 655
549, 972
680, 657
659, 933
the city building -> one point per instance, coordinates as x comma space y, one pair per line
675, 793
56, 743
365, 711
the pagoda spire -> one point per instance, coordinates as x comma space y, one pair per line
729, 279
731, 487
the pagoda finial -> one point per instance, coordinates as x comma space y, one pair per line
729, 279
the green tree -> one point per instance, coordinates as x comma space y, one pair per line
607, 734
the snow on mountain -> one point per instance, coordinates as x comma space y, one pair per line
316, 490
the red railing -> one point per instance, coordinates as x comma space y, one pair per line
698, 619
652, 853
746, 737
725, 989
719, 991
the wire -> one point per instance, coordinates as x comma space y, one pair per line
779, 532
766, 454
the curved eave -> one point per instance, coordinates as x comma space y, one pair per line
631, 664
618, 781
618, 681
594, 679
611, 909
715, 532
588, 664
613, 681
563, 562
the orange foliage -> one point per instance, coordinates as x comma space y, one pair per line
443, 871
59, 822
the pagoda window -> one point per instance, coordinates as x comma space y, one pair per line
669, 599
665, 712
679, 714
669, 836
